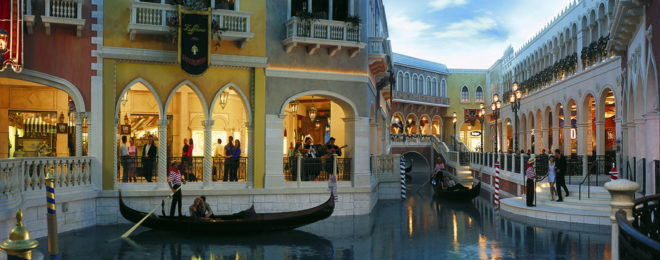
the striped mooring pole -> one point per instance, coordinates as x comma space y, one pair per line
51, 217
496, 199
402, 164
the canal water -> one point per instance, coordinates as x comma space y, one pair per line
418, 228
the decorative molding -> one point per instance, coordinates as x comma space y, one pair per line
169, 57
419, 103
317, 75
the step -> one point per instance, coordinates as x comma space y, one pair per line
516, 206
595, 205
594, 191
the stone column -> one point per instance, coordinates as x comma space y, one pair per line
250, 155
567, 136
162, 153
208, 155
79, 129
622, 192
357, 134
600, 137
555, 137
274, 173
582, 136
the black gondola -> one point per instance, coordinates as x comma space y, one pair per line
246, 221
460, 194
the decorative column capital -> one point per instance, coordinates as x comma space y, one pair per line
163, 122
80, 116
282, 116
208, 124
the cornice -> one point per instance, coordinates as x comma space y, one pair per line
169, 57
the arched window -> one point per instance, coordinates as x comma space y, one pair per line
406, 82
465, 95
444, 88
414, 84
399, 81
479, 95
420, 85
430, 86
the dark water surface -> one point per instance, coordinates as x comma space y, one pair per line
418, 228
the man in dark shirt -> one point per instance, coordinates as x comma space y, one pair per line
229, 151
560, 173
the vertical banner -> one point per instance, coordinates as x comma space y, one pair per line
11, 34
194, 40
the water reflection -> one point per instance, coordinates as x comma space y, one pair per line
418, 228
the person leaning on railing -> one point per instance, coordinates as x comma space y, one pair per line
125, 159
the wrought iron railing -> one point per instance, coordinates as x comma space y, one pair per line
316, 169
192, 168
641, 238
137, 169
229, 169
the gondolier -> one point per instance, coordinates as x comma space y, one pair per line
175, 181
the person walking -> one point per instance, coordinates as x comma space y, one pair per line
132, 153
561, 173
175, 181
235, 160
125, 159
531, 176
229, 151
149, 154
551, 176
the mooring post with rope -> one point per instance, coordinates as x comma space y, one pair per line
51, 216
402, 164
496, 199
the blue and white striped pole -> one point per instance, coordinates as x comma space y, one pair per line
51, 217
403, 177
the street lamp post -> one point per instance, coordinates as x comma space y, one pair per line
515, 107
495, 107
454, 121
482, 113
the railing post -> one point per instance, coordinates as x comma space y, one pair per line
334, 165
622, 192
298, 166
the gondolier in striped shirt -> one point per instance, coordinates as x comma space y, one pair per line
175, 182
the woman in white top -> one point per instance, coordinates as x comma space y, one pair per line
551, 177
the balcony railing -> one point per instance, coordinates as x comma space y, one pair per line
314, 34
316, 169
151, 18
411, 139
413, 97
376, 46
68, 12
24, 176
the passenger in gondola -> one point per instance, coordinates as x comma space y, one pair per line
197, 210
451, 185
207, 211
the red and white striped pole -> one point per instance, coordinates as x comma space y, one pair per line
496, 199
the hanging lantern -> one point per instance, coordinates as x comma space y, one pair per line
311, 112
224, 96
294, 107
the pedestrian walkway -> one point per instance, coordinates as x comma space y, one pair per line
594, 209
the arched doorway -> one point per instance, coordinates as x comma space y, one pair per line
508, 135
607, 105
230, 117
436, 127
186, 110
316, 127
421, 168
396, 126
40, 120
138, 112
425, 125
470, 134
572, 108
589, 118
411, 124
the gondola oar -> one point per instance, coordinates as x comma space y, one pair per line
128, 233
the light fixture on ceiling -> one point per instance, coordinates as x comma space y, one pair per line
224, 96
294, 106
311, 112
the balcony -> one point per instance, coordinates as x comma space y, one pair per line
151, 18
377, 55
333, 35
66, 12
405, 97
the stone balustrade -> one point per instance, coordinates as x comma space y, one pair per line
23, 177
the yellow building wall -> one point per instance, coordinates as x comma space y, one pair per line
117, 15
455, 83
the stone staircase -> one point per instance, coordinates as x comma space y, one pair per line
594, 209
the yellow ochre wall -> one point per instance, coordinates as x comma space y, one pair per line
165, 77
